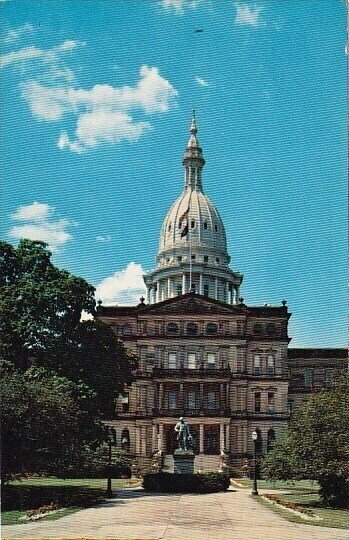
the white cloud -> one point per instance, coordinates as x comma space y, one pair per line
179, 6
103, 239
103, 111
41, 224
28, 54
17, 33
248, 14
201, 81
124, 287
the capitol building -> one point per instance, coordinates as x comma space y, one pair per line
203, 353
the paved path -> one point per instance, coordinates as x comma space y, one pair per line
135, 515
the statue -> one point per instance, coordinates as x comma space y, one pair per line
184, 437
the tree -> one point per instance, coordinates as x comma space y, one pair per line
40, 421
316, 445
41, 325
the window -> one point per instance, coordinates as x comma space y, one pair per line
216, 228
125, 402
192, 329
168, 259
172, 328
270, 363
308, 377
257, 328
271, 402
257, 367
257, 402
126, 329
211, 359
125, 440
179, 258
191, 361
270, 439
193, 257
271, 329
259, 442
193, 288
211, 328
205, 258
191, 399
172, 361
211, 400
328, 379
217, 259
205, 290
172, 399
169, 227
179, 290
205, 224
192, 224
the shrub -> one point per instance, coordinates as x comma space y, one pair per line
186, 483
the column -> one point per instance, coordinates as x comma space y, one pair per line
154, 443
169, 288
161, 437
148, 294
221, 436
201, 396
237, 294
201, 439
222, 402
216, 288
227, 437
162, 295
157, 292
201, 289
161, 396
184, 283
227, 292
143, 440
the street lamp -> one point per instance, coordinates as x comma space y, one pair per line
254, 438
110, 440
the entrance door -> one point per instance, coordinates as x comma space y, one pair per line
211, 440
170, 438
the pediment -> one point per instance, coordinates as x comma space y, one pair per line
190, 303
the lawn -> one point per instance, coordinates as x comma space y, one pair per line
298, 485
69, 495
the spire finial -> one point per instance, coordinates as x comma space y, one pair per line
193, 127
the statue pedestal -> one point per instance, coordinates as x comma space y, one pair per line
183, 461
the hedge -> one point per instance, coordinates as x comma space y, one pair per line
186, 483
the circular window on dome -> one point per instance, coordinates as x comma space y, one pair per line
192, 329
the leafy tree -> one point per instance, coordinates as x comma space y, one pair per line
41, 325
40, 421
316, 445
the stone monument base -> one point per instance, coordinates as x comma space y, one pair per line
183, 461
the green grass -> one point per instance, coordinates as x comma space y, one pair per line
71, 494
298, 485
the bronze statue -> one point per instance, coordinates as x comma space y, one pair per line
184, 437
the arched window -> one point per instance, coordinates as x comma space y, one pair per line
205, 225
125, 440
126, 329
257, 365
192, 329
257, 328
172, 399
205, 258
271, 402
259, 442
211, 328
172, 328
206, 290
270, 439
271, 329
270, 363
257, 402
216, 227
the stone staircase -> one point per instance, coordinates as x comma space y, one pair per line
202, 463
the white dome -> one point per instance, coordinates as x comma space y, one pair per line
206, 229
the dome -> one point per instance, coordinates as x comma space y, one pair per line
206, 231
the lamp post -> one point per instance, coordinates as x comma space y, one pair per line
254, 438
110, 441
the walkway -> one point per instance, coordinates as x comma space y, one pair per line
135, 515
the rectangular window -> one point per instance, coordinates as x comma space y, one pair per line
125, 403
257, 402
211, 360
257, 365
270, 364
172, 400
191, 399
328, 380
191, 361
172, 360
271, 402
211, 400
308, 378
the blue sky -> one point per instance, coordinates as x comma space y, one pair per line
98, 102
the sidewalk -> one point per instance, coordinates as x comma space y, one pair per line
135, 515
